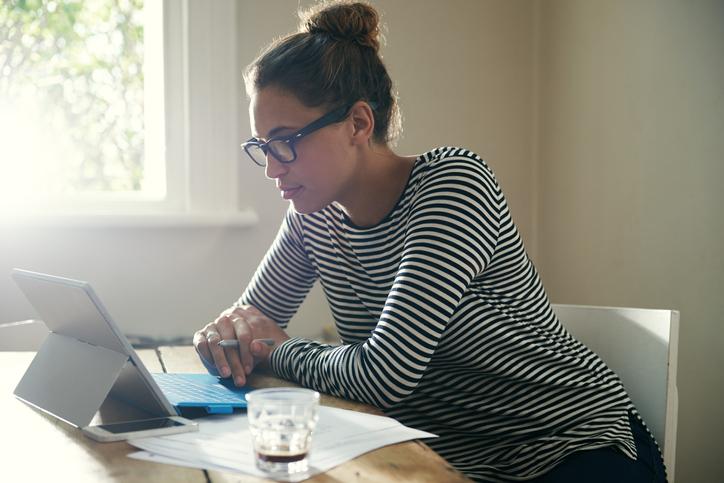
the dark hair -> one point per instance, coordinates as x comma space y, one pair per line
333, 60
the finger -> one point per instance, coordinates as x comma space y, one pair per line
217, 353
243, 334
233, 354
261, 350
202, 346
202, 349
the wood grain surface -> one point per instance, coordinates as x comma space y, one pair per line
38, 447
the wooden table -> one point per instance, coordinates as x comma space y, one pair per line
37, 447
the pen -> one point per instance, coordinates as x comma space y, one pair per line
235, 342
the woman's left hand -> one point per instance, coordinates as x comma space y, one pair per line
251, 325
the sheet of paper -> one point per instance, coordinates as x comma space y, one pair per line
224, 443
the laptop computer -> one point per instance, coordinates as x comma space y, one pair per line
86, 358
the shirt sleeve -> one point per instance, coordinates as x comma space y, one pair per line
284, 277
452, 233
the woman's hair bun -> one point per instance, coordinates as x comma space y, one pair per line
350, 21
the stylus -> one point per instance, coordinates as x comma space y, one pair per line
235, 343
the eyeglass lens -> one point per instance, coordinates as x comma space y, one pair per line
281, 150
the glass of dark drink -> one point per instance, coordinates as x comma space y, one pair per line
281, 422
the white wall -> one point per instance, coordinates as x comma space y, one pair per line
631, 163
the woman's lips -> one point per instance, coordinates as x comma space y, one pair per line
289, 193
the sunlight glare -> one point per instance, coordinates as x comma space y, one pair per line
32, 150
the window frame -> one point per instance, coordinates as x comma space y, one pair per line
201, 113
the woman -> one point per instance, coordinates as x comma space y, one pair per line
444, 322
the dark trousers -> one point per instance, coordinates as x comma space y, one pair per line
609, 465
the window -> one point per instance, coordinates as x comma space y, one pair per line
118, 106
79, 101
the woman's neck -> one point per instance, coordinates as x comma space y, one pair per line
378, 184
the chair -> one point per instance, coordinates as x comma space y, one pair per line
641, 346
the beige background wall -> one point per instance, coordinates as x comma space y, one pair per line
631, 162
464, 71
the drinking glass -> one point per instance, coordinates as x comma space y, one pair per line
281, 421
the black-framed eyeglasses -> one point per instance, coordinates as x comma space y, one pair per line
282, 147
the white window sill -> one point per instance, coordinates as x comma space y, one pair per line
240, 219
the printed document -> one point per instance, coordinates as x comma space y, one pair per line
224, 443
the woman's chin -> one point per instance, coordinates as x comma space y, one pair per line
305, 208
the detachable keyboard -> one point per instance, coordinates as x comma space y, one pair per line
217, 396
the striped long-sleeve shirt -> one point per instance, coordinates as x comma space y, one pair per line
444, 324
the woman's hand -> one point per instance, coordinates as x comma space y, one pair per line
245, 324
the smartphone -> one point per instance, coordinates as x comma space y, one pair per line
140, 428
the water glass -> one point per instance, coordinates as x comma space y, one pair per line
281, 421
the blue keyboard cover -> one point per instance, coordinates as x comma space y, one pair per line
217, 396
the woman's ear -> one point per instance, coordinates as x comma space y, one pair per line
363, 122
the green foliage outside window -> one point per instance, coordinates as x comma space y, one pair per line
80, 63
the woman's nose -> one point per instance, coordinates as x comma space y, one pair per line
274, 169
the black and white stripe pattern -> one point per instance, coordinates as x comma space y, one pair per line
445, 325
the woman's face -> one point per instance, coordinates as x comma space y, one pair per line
324, 166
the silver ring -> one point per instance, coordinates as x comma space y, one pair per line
209, 335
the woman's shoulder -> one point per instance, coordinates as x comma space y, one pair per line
447, 154
457, 162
